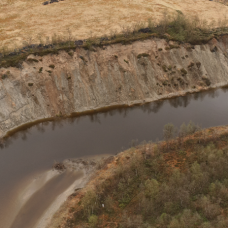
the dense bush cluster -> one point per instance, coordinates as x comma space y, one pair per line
184, 185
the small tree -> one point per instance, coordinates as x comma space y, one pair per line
89, 202
151, 188
183, 130
93, 220
109, 204
192, 128
168, 132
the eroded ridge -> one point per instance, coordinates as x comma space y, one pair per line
79, 81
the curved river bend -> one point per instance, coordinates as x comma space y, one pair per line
35, 149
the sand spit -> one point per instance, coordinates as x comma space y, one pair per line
44, 195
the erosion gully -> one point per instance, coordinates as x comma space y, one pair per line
32, 151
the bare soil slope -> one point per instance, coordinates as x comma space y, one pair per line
80, 81
24, 19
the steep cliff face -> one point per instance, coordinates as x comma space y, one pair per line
85, 80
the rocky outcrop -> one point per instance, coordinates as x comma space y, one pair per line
82, 80
51, 1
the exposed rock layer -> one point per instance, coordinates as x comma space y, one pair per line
83, 80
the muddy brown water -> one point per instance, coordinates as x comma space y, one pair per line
35, 149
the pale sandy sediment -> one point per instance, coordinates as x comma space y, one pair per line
47, 216
85, 167
27, 189
76, 175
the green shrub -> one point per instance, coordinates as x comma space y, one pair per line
174, 46
41, 69
88, 202
82, 58
169, 67
70, 53
151, 188
168, 131
52, 66
206, 81
180, 12
89, 45
93, 220
183, 71
32, 60
164, 68
109, 203
165, 83
142, 55
4, 76
198, 64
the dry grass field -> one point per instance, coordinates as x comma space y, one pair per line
29, 21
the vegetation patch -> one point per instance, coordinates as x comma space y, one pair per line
81, 57
180, 182
52, 66
32, 60
170, 67
206, 81
174, 46
41, 69
165, 83
4, 76
70, 53
180, 12
191, 64
183, 71
164, 68
142, 55
198, 64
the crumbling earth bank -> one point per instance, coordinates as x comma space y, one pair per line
83, 80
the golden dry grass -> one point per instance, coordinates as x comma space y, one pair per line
24, 19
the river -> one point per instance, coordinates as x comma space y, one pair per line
32, 151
